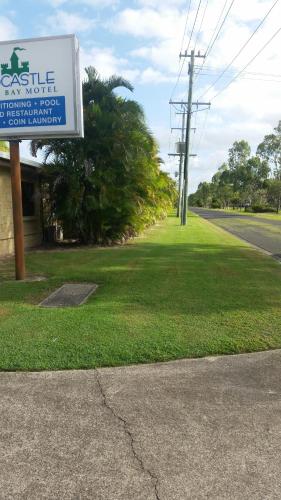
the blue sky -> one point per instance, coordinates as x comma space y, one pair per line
141, 39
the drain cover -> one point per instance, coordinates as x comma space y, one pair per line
69, 295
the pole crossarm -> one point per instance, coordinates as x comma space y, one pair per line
182, 103
180, 154
185, 103
185, 54
196, 103
180, 128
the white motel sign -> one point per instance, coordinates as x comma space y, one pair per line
40, 88
40, 97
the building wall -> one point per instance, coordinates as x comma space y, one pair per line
32, 225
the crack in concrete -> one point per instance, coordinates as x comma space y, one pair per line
130, 435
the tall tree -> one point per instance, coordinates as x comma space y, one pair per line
240, 182
270, 150
274, 193
238, 154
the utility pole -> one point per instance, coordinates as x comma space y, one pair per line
187, 106
187, 142
181, 158
187, 134
180, 168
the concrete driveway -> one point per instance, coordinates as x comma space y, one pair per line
190, 429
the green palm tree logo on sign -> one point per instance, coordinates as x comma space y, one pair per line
15, 68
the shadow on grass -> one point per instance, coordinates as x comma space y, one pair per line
175, 279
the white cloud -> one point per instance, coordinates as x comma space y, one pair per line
149, 23
246, 109
165, 26
107, 63
69, 23
8, 30
159, 5
252, 10
151, 75
163, 55
89, 3
57, 3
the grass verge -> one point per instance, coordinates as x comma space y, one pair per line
174, 292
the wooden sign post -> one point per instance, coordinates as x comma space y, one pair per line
40, 97
17, 209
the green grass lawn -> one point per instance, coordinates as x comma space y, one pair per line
174, 292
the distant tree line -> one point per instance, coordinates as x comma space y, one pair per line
108, 186
245, 181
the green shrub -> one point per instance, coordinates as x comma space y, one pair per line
215, 204
262, 209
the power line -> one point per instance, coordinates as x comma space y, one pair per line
198, 8
194, 126
260, 79
186, 22
190, 38
218, 22
250, 62
258, 73
254, 79
200, 27
178, 79
220, 28
183, 62
263, 74
271, 77
203, 129
195, 20
242, 48
211, 42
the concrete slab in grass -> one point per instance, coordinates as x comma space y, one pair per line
72, 294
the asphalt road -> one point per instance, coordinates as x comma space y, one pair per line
263, 233
190, 429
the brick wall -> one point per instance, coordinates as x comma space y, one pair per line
32, 226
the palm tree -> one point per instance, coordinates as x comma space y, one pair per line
108, 185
